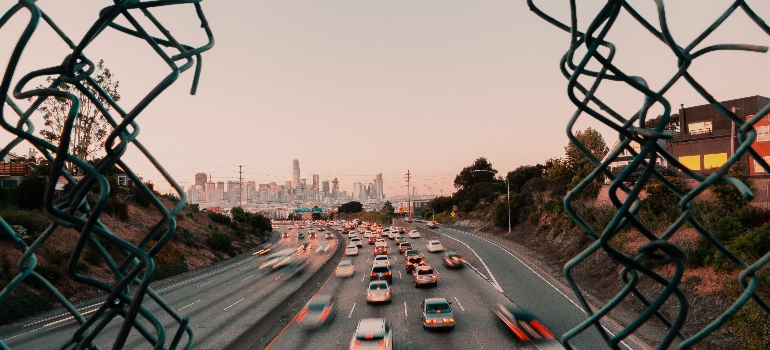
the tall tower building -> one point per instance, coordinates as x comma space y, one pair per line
295, 173
316, 181
378, 187
325, 187
200, 180
335, 187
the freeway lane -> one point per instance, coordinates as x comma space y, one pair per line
470, 294
525, 287
221, 301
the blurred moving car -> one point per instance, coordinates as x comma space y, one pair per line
433, 224
453, 260
351, 250
409, 252
372, 333
305, 247
381, 272
414, 234
352, 233
286, 235
264, 249
345, 268
414, 261
378, 292
425, 275
318, 311
522, 322
434, 246
399, 239
436, 313
381, 260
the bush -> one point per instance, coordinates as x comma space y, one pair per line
500, 214
22, 303
50, 272
8, 197
220, 241
176, 267
752, 326
752, 246
117, 208
31, 192
32, 222
185, 236
220, 218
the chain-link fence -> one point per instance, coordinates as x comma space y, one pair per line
590, 49
132, 268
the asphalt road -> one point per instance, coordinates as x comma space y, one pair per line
221, 301
471, 294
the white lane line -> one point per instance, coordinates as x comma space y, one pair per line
203, 284
405, 313
351, 310
477, 271
460, 305
231, 305
538, 275
183, 307
68, 318
399, 274
493, 281
279, 276
20, 334
247, 278
62, 315
362, 278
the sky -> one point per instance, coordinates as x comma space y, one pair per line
352, 88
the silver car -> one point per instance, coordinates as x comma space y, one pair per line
372, 333
425, 275
378, 292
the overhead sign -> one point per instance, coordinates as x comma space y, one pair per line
317, 210
301, 210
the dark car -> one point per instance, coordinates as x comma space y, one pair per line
413, 261
381, 273
436, 313
521, 322
404, 246
381, 250
453, 260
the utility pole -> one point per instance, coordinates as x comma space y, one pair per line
409, 194
240, 186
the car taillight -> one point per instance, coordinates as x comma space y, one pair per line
373, 274
541, 329
302, 314
325, 313
387, 293
449, 320
433, 277
518, 331
387, 273
383, 344
368, 294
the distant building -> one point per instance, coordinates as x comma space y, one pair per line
325, 187
200, 180
295, 173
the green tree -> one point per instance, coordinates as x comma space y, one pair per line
31, 191
90, 128
261, 222
469, 176
238, 214
580, 164
388, 206
727, 195
672, 125
518, 177
351, 207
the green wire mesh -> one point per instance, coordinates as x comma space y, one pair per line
573, 67
132, 271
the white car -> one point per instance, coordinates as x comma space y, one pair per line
372, 333
414, 234
351, 250
352, 234
434, 246
367, 234
345, 268
381, 260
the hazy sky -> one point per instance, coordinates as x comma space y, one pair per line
352, 88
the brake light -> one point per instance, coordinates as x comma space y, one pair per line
449, 320
387, 273
387, 293
325, 313
518, 331
541, 329
302, 314
383, 344
433, 277
373, 274
368, 294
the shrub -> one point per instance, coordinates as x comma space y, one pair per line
220, 218
31, 192
220, 241
32, 222
753, 245
21, 303
117, 208
500, 214
752, 325
50, 272
185, 236
8, 196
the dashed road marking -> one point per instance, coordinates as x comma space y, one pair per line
460, 305
189, 305
405, 313
233, 304
351, 310
247, 278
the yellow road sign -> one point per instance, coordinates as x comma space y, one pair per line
453, 214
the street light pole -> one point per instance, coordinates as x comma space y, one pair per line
507, 195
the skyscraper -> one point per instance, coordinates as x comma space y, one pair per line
378, 187
200, 180
316, 181
325, 187
295, 174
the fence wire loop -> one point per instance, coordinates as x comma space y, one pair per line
600, 53
133, 267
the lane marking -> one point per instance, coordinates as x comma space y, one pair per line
247, 278
231, 305
362, 278
460, 305
203, 284
68, 318
351, 310
405, 313
477, 271
188, 305
399, 274
535, 272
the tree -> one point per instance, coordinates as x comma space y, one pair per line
31, 192
518, 177
469, 176
580, 165
672, 125
388, 206
261, 222
91, 127
351, 207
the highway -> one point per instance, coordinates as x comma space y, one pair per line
221, 301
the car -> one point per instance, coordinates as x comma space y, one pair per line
351, 250
381, 272
321, 229
399, 239
378, 292
318, 311
434, 246
352, 233
404, 246
409, 252
345, 268
372, 333
264, 249
409, 220
414, 234
311, 233
300, 235
357, 241
329, 235
367, 234
433, 224
414, 261
305, 247
286, 234
453, 260
380, 250
437, 313
381, 259
425, 275
371, 240
392, 234
521, 322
